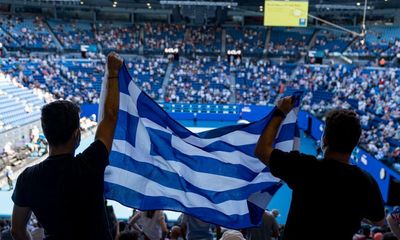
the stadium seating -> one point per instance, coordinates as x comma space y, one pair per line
149, 75
198, 81
72, 34
120, 37
289, 42
32, 33
332, 40
18, 106
251, 40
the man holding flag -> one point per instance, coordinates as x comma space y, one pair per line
65, 192
329, 196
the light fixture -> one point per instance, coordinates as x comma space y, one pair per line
358, 3
81, 2
148, 4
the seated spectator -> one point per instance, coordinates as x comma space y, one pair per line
149, 223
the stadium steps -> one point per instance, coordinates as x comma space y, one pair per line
54, 36
223, 41
313, 39
141, 38
166, 77
9, 35
268, 39
356, 38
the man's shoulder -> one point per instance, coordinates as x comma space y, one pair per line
295, 155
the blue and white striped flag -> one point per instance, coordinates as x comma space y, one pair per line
156, 163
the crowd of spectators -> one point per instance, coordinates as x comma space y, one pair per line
249, 40
200, 81
73, 34
375, 94
29, 32
35, 33
155, 225
116, 37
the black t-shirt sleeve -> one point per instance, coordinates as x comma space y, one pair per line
290, 167
95, 156
375, 209
20, 193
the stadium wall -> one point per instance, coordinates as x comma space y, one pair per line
306, 121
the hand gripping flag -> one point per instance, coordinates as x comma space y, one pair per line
156, 163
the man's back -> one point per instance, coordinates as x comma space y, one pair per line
326, 194
196, 229
66, 194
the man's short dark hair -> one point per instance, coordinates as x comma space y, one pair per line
342, 130
59, 121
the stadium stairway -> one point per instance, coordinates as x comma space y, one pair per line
53, 35
141, 38
232, 99
223, 41
166, 77
351, 44
267, 39
9, 35
313, 39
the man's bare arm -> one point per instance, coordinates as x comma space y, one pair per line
264, 145
106, 128
20, 218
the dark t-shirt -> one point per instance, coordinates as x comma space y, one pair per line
66, 194
329, 198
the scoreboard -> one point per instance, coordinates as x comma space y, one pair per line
289, 13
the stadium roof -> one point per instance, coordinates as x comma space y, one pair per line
376, 4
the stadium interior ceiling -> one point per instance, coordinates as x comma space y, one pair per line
246, 12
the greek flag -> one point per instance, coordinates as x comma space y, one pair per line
156, 163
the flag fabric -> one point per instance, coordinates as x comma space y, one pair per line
156, 163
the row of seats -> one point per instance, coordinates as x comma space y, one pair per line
35, 33
18, 105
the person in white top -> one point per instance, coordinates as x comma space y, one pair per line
150, 223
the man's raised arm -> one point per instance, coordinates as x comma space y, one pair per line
264, 145
108, 118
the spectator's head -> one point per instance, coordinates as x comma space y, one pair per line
342, 131
366, 231
232, 235
128, 235
275, 213
175, 232
60, 123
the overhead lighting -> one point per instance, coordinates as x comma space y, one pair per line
148, 4
358, 3
81, 2
229, 6
115, 2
